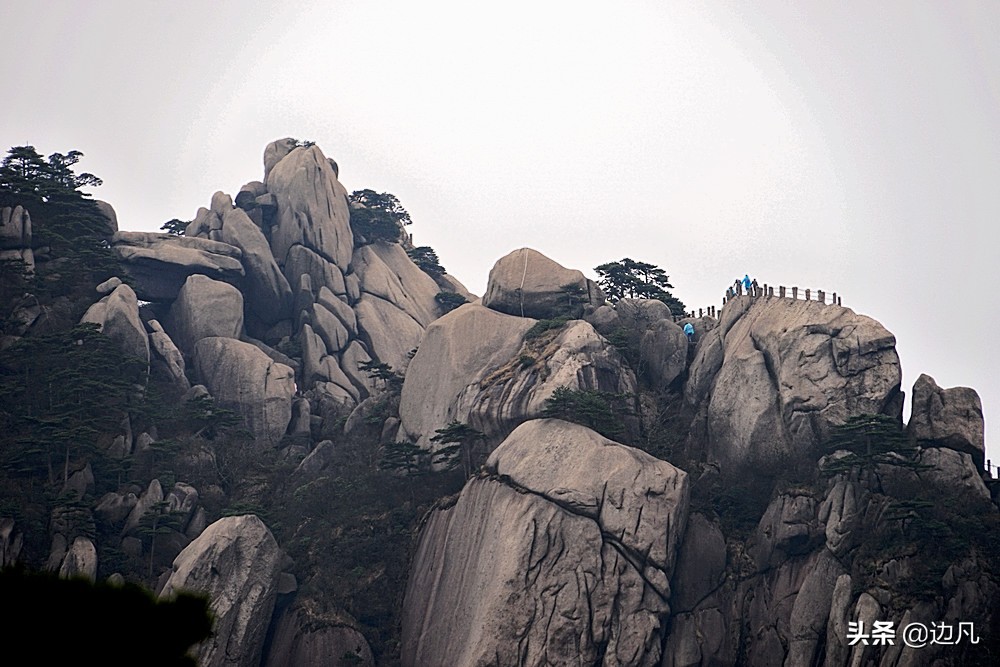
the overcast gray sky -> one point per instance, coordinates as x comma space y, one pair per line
846, 146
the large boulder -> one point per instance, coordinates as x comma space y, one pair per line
300, 260
388, 331
303, 638
108, 211
160, 263
384, 270
526, 283
950, 418
560, 555
475, 365
235, 562
269, 296
243, 378
118, 316
168, 358
397, 302
312, 207
663, 352
776, 374
80, 560
276, 151
205, 307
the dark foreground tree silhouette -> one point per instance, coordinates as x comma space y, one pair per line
56, 621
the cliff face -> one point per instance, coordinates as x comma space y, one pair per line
778, 503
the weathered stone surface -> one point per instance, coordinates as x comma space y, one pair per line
811, 611
236, 562
788, 527
333, 332
79, 483
842, 512
389, 332
339, 307
109, 285
954, 473
15, 237
639, 501
776, 374
350, 362
702, 325
80, 560
547, 575
315, 462
698, 639
450, 283
118, 316
201, 225
243, 378
663, 353
11, 541
171, 358
300, 416
182, 501
458, 350
948, 417
641, 314
474, 365
701, 564
320, 367
300, 260
312, 207
302, 638
150, 497
15, 228
384, 270
160, 263
526, 283
275, 152
269, 295
113, 507
108, 211
205, 307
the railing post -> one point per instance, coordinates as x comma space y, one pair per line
807, 294
795, 292
821, 296
770, 291
838, 300
781, 291
833, 299
699, 312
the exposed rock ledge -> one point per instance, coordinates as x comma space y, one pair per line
560, 555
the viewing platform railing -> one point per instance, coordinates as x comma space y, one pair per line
765, 290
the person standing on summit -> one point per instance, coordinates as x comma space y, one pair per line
746, 283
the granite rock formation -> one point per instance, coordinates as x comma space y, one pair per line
236, 562
526, 283
775, 374
560, 553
